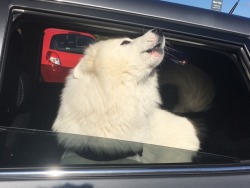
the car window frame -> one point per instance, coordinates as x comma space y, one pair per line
39, 7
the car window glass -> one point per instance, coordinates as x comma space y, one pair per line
22, 147
72, 43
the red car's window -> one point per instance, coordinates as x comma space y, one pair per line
73, 43
61, 51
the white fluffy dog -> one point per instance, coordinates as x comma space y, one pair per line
113, 93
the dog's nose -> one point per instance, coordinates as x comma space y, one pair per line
158, 32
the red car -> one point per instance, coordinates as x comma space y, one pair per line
61, 51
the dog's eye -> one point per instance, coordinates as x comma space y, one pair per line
125, 42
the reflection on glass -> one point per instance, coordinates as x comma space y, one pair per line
21, 147
87, 149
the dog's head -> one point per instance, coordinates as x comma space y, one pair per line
123, 58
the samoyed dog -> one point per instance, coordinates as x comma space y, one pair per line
113, 93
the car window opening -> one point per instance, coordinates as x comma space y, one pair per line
33, 99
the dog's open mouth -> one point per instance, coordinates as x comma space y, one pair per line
156, 48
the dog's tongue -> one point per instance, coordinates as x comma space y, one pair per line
156, 49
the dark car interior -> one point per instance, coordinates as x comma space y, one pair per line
28, 102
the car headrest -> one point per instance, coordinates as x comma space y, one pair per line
24, 89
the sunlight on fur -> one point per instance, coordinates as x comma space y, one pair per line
113, 93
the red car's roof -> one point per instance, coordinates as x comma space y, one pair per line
63, 31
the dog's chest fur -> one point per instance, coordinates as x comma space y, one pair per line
119, 112
127, 110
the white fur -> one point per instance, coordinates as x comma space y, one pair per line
195, 88
113, 93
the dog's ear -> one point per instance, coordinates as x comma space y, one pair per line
86, 64
78, 70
